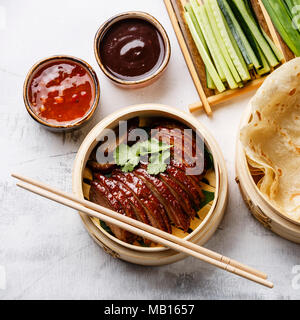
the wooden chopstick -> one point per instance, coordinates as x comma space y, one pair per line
228, 95
147, 228
187, 57
143, 230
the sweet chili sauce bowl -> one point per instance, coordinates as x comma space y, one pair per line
66, 125
149, 78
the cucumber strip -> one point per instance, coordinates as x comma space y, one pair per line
205, 57
188, 7
250, 51
201, 19
264, 45
251, 11
210, 34
283, 24
249, 7
210, 40
247, 32
266, 67
244, 73
277, 52
234, 31
221, 43
237, 50
209, 82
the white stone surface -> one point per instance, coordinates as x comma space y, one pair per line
45, 251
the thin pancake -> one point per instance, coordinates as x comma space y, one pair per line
272, 138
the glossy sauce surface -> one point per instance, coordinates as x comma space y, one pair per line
132, 49
61, 92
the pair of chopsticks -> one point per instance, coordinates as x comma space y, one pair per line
143, 230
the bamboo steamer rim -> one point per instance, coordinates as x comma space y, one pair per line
153, 110
278, 219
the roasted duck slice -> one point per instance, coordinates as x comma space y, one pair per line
100, 195
192, 179
170, 203
196, 178
184, 149
182, 179
179, 193
101, 168
113, 187
104, 168
154, 209
136, 205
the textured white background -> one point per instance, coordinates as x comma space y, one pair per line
45, 252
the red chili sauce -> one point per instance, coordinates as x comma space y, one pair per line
61, 92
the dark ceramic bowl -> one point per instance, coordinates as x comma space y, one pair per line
148, 79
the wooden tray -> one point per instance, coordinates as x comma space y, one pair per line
152, 255
260, 207
196, 66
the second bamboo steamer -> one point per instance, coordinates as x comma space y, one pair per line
261, 209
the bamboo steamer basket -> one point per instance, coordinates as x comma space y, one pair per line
157, 255
258, 204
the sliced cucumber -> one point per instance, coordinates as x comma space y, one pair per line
235, 32
201, 17
266, 67
247, 32
209, 82
243, 72
250, 51
205, 57
188, 7
277, 52
209, 38
221, 43
210, 34
237, 50
264, 45
250, 10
